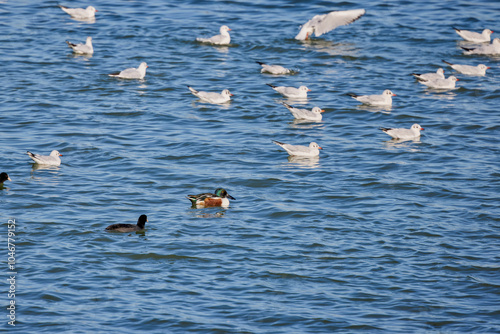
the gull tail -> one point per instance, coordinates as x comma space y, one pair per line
278, 143
272, 86
352, 95
444, 61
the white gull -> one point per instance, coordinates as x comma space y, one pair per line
80, 13
430, 76
223, 39
274, 69
81, 48
291, 92
385, 99
488, 49
475, 37
300, 150
479, 70
448, 83
52, 159
311, 115
211, 97
132, 73
401, 133
324, 23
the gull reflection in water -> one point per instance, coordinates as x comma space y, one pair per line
303, 162
221, 48
203, 104
403, 143
292, 101
331, 48
81, 56
36, 167
306, 124
440, 94
382, 109
86, 20
44, 177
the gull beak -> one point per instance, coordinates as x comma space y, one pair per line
322, 110
308, 90
394, 94
60, 154
458, 80
421, 129
320, 148
8, 178
488, 68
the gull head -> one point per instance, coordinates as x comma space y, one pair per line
417, 127
388, 92
314, 145
224, 29
226, 93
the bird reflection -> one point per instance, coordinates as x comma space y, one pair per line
403, 143
204, 214
382, 109
292, 101
85, 20
331, 48
304, 162
36, 167
306, 124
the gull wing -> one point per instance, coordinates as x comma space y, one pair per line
327, 22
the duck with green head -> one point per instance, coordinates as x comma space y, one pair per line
220, 198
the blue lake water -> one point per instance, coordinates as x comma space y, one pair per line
375, 235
